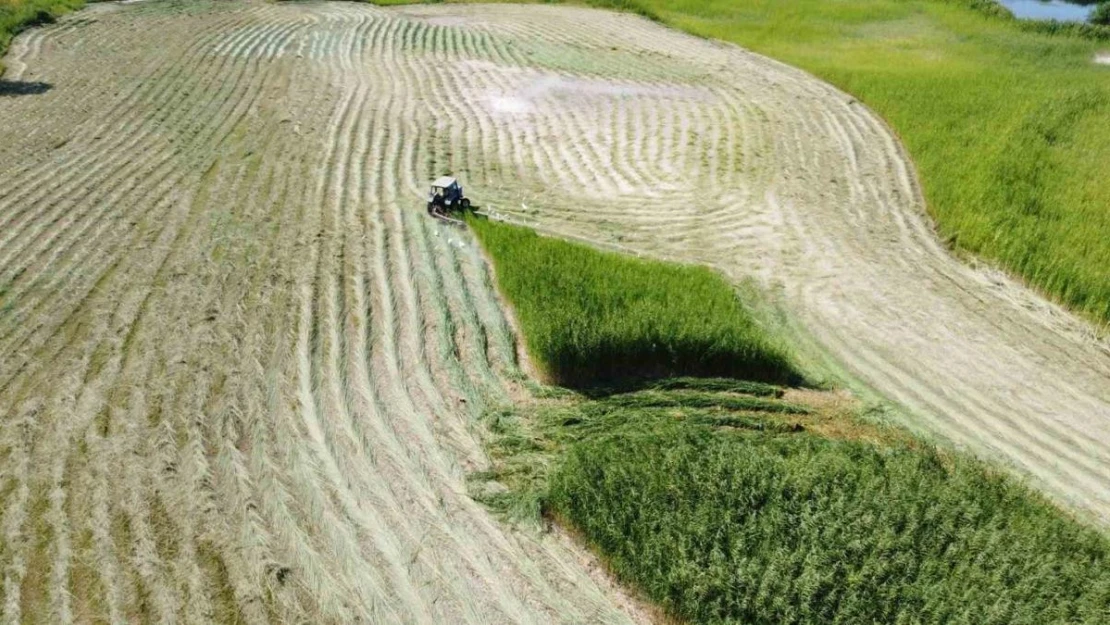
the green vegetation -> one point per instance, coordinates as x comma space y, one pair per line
1101, 14
724, 512
529, 442
590, 317
17, 15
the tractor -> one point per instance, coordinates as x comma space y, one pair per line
445, 197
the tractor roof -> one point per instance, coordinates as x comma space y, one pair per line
444, 182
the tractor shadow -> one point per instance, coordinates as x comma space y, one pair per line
11, 88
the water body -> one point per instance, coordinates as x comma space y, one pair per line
1049, 10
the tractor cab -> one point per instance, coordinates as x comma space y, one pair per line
446, 195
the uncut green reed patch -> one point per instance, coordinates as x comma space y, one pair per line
591, 317
737, 526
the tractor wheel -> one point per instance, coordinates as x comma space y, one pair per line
465, 204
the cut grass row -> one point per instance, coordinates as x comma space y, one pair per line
18, 15
726, 501
1004, 122
591, 317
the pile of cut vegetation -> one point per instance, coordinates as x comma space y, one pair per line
734, 501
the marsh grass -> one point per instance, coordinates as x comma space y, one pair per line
593, 318
735, 525
719, 511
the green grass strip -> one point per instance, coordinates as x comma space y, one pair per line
591, 317
697, 399
750, 528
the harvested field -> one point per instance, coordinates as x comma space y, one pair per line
240, 371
